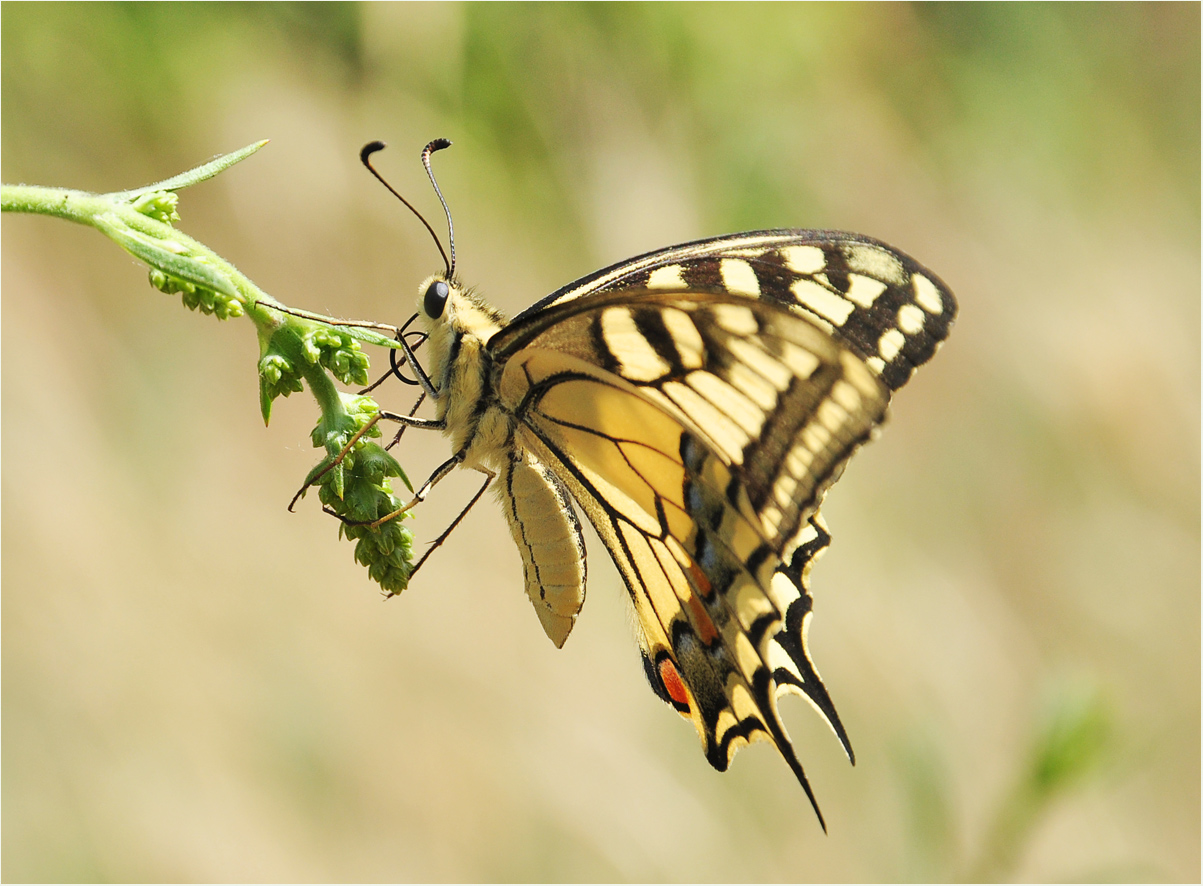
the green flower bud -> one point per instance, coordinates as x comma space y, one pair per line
277, 377
196, 297
159, 205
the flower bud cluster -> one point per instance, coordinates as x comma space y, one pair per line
357, 489
197, 297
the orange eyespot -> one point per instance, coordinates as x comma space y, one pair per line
674, 685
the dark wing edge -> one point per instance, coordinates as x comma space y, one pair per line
890, 310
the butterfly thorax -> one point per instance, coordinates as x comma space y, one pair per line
459, 366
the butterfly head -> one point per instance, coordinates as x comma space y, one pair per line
445, 307
435, 294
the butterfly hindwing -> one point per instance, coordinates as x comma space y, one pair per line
699, 432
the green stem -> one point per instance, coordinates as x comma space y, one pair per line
158, 244
328, 397
76, 206
295, 348
163, 247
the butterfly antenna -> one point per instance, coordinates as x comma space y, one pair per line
437, 145
365, 155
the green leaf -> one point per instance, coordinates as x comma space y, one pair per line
367, 336
197, 175
169, 256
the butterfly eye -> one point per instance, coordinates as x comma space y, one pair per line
435, 299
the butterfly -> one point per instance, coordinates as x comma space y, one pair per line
695, 403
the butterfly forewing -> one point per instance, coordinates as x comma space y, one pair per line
891, 311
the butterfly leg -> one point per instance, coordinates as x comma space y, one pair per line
405, 420
439, 473
420, 496
489, 477
394, 367
336, 461
401, 430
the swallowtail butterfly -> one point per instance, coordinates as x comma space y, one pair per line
696, 403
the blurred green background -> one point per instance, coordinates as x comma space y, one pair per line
198, 685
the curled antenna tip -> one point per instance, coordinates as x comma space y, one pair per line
369, 149
437, 145
365, 156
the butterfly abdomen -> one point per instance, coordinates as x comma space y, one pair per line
548, 535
